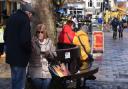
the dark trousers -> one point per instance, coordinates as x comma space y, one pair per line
114, 32
120, 34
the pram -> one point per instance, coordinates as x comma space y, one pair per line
70, 56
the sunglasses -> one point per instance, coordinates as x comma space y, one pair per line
39, 32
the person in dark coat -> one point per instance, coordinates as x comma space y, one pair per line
114, 24
120, 29
17, 38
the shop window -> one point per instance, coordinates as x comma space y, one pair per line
71, 12
90, 3
74, 12
98, 4
79, 12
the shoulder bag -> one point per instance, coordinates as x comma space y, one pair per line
90, 57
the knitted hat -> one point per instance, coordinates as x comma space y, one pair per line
27, 7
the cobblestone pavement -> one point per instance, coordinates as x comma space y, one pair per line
113, 70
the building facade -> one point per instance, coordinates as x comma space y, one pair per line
85, 7
75, 8
93, 6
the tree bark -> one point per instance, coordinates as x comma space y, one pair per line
44, 14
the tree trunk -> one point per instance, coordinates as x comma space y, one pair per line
44, 14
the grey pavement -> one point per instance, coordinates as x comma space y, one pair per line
113, 69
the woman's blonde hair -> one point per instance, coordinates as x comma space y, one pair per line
42, 27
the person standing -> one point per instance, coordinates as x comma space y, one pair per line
120, 29
38, 69
82, 40
74, 19
100, 21
67, 34
17, 37
114, 24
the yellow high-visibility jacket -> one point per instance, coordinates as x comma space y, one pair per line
1, 34
85, 41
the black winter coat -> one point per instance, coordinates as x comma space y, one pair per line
17, 38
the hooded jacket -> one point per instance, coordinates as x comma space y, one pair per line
63, 38
85, 41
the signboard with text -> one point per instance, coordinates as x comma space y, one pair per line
98, 42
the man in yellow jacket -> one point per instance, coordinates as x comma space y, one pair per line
83, 36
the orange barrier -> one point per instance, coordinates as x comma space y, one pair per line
98, 42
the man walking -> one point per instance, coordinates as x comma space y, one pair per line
17, 38
114, 24
120, 29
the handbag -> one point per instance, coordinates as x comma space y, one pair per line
56, 67
90, 56
59, 70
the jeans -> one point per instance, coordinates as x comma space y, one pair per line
18, 77
41, 83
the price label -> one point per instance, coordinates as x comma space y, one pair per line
67, 55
